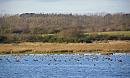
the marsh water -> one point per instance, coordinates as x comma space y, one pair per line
65, 66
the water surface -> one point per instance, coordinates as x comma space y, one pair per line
65, 66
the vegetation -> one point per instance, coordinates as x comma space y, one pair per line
111, 33
38, 47
64, 33
66, 36
31, 27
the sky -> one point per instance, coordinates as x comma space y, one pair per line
64, 6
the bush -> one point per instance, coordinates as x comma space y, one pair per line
3, 39
13, 38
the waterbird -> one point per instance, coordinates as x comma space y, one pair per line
48, 63
35, 60
0, 59
80, 63
69, 59
65, 60
8, 60
119, 60
109, 59
55, 60
78, 60
17, 60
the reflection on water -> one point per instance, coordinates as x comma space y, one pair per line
65, 66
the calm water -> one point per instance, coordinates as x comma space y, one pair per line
65, 66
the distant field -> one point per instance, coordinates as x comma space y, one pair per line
112, 33
125, 33
38, 47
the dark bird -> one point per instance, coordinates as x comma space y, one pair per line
119, 60
0, 59
35, 60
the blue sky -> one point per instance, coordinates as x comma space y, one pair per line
64, 6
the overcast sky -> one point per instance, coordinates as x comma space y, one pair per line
64, 6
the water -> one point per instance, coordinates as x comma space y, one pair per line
65, 66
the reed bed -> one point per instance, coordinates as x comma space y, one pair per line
38, 47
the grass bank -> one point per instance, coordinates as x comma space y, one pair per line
39, 47
111, 33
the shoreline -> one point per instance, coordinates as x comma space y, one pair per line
84, 54
103, 47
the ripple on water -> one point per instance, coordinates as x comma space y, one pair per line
65, 66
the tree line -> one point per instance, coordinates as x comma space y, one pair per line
66, 26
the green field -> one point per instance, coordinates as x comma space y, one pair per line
112, 33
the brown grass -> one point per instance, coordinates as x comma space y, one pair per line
109, 46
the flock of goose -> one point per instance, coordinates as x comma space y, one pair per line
64, 66
60, 59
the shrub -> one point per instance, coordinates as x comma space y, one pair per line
3, 39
